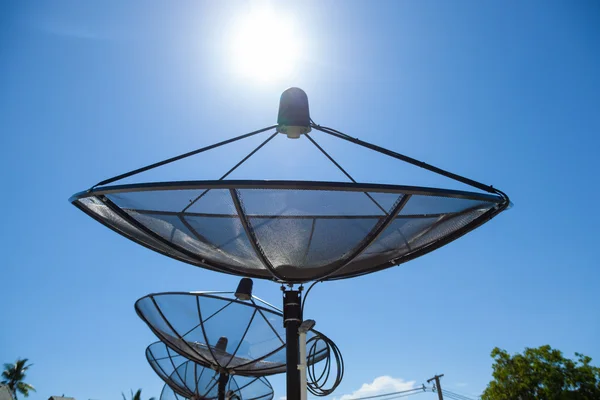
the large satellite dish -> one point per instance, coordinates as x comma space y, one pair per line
218, 331
290, 231
193, 381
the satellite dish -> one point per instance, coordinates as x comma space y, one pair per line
193, 381
167, 393
218, 331
291, 231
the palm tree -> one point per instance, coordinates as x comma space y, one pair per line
13, 376
136, 396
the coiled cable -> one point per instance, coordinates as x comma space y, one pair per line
324, 377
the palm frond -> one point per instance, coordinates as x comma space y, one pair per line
25, 386
20, 364
14, 375
24, 389
136, 396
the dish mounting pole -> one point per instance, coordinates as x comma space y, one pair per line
223, 379
292, 318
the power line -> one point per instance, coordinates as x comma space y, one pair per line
405, 395
419, 389
458, 396
436, 388
452, 396
449, 396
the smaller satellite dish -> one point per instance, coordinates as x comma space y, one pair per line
218, 331
168, 394
188, 380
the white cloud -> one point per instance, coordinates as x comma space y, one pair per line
380, 385
283, 398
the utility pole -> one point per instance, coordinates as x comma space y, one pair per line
438, 387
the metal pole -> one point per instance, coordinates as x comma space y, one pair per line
223, 378
292, 318
410, 160
302, 365
179, 157
305, 326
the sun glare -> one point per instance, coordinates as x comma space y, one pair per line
265, 46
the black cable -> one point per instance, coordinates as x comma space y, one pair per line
179, 157
316, 126
306, 295
317, 384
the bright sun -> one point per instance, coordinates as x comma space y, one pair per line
265, 46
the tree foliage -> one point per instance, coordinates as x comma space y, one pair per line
542, 373
136, 396
13, 376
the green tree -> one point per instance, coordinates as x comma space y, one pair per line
14, 375
136, 396
542, 373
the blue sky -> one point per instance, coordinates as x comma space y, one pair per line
506, 93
